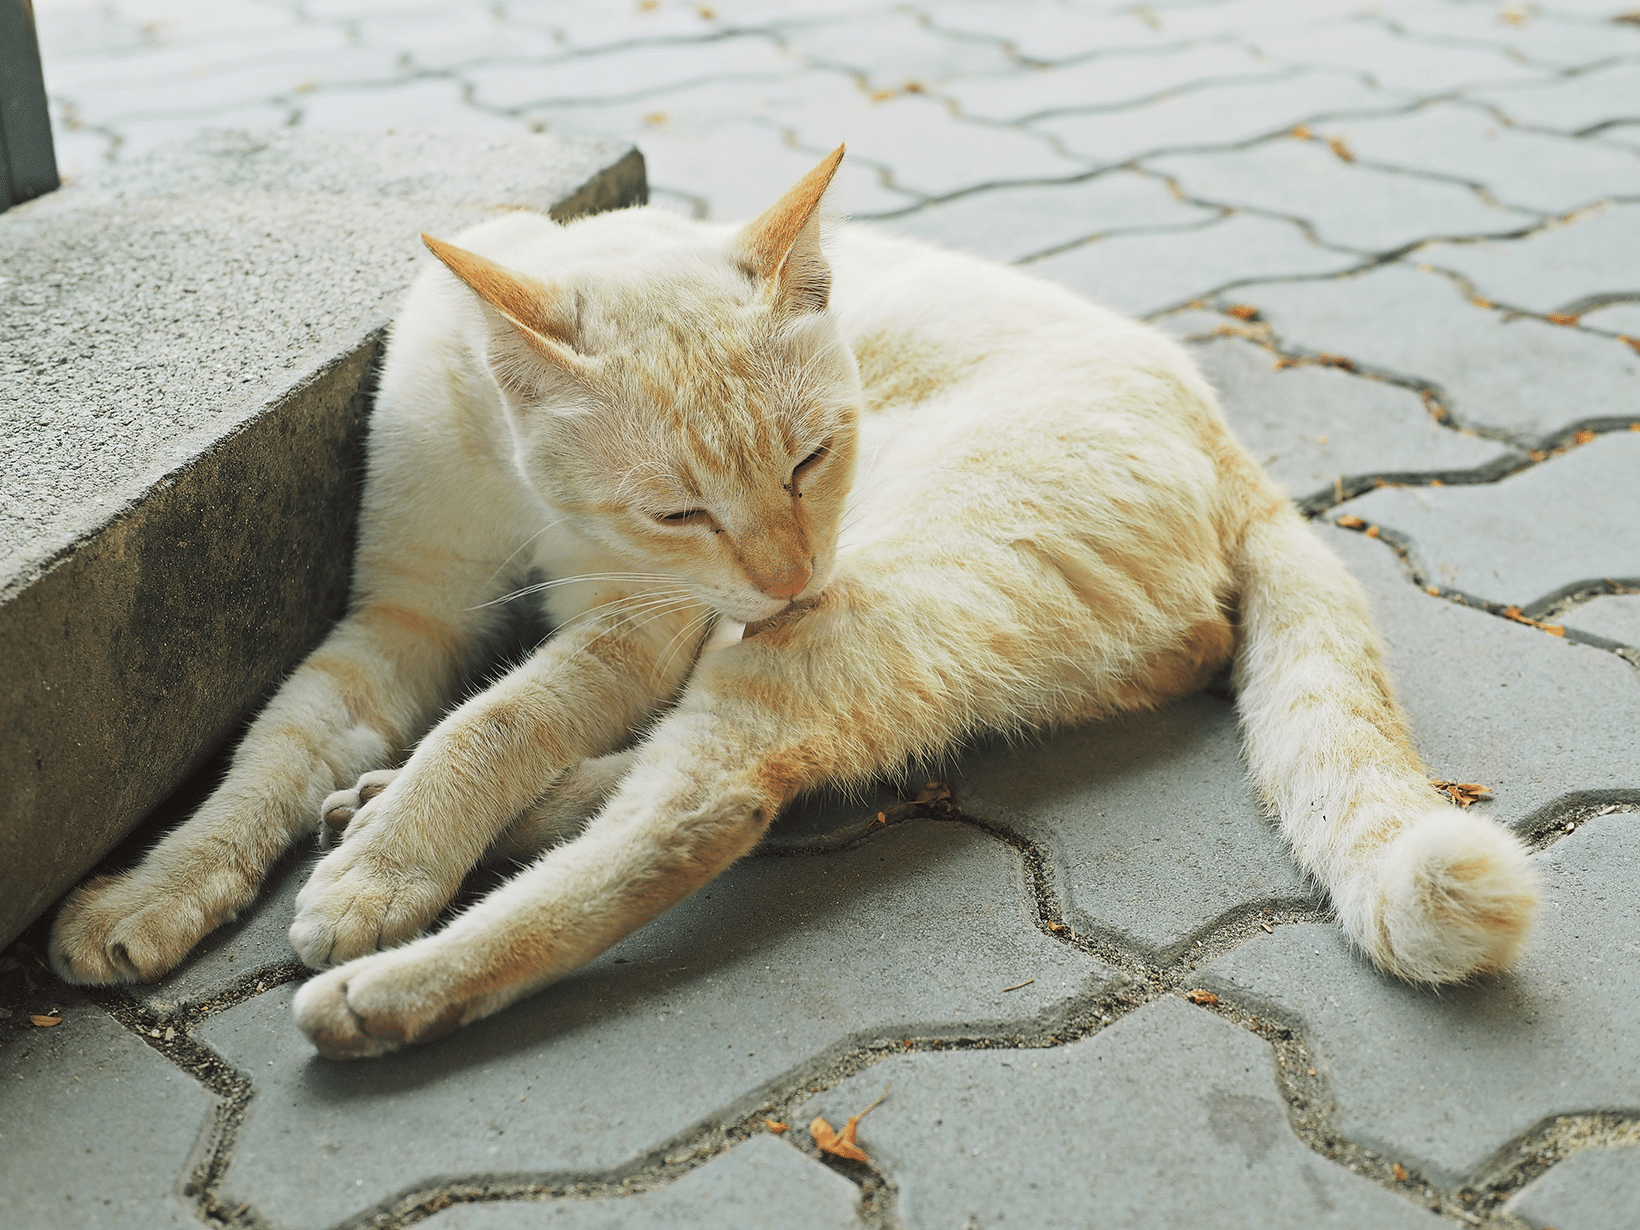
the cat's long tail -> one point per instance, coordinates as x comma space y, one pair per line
1432, 893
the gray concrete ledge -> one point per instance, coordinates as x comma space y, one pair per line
184, 388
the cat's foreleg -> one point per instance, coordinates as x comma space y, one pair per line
575, 796
358, 698
1430, 893
406, 851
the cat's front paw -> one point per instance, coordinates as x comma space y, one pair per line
357, 903
371, 1007
1456, 896
129, 928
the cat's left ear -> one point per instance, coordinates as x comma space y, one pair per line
781, 248
542, 316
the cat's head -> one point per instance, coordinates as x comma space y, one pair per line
688, 404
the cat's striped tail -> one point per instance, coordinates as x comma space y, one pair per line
1431, 893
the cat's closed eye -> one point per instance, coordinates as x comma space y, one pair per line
687, 516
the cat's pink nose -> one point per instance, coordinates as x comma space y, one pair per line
789, 586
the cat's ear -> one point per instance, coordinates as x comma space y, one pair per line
542, 317
781, 248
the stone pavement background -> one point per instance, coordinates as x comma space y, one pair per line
1404, 240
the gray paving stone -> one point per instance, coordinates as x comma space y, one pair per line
444, 39
1541, 171
624, 71
1147, 823
1046, 31
1391, 61
1619, 318
733, 993
1416, 1075
1542, 37
1523, 376
1570, 104
96, 1128
758, 1184
929, 150
1540, 532
892, 48
1615, 617
1554, 269
1100, 1132
1011, 223
1313, 427
1594, 1189
1215, 114
428, 106
1532, 716
1349, 205
1105, 81
1144, 273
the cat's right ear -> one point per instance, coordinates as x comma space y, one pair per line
541, 316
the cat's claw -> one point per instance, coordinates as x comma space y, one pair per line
118, 929
371, 1007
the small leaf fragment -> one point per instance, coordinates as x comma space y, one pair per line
1243, 311
1200, 996
45, 1022
1400, 1172
1561, 318
1351, 522
1301, 132
1463, 793
1344, 153
777, 1127
843, 1144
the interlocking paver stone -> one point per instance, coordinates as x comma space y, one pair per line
780, 961
1571, 104
1147, 823
1145, 273
1222, 113
1315, 426
1102, 82
1522, 376
1399, 63
1594, 1189
1349, 205
1543, 37
1551, 528
96, 1128
1415, 1074
1617, 618
1534, 717
1016, 222
759, 1184
1539, 171
1555, 269
1088, 1134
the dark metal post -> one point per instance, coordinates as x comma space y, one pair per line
28, 164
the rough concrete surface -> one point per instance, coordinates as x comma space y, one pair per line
182, 404
1097, 991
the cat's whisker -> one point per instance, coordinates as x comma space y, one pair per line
502, 567
680, 638
641, 578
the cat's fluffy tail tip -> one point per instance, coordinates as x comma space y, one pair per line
1456, 897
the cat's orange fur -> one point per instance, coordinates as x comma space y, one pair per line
1015, 510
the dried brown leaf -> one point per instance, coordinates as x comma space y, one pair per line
1302, 132
1464, 794
1583, 437
1199, 996
1351, 522
777, 1127
1561, 318
1400, 1172
1336, 144
844, 1143
45, 1022
1243, 311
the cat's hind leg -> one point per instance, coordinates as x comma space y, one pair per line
1430, 893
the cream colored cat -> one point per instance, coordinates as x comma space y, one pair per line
944, 498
